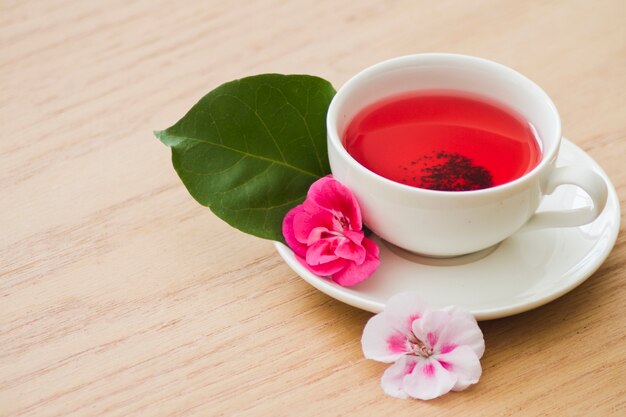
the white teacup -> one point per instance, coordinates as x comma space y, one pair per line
452, 223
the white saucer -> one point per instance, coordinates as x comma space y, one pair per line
523, 272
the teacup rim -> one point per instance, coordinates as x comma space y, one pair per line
334, 139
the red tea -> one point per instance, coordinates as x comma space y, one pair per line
443, 140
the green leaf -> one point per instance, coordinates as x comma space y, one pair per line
250, 149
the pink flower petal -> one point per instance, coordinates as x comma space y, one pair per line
461, 329
402, 309
463, 363
327, 269
381, 341
393, 377
316, 234
347, 249
355, 236
428, 380
428, 327
289, 233
370, 247
448, 328
457, 311
333, 196
353, 273
320, 252
302, 225
306, 221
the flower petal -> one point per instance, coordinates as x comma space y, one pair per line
353, 273
298, 247
324, 270
370, 247
446, 329
320, 252
381, 341
316, 234
428, 328
428, 380
305, 221
356, 236
347, 249
330, 194
461, 329
463, 363
402, 309
393, 377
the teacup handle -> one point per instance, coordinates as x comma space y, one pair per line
590, 181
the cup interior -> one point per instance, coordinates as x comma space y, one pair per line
447, 72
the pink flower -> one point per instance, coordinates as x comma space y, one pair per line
434, 351
325, 234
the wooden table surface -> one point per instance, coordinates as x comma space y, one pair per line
121, 296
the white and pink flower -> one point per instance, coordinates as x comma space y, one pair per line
325, 233
435, 351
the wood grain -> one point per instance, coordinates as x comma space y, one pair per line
121, 296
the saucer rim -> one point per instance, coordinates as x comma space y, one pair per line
354, 298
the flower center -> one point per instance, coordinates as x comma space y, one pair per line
345, 223
341, 219
418, 348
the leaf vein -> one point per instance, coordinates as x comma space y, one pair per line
258, 116
219, 145
306, 125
